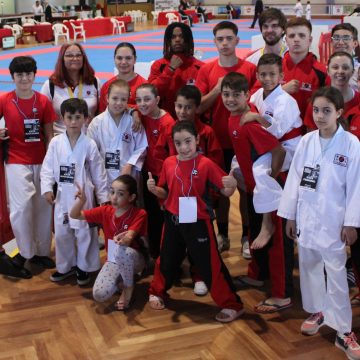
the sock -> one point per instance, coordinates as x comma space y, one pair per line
223, 229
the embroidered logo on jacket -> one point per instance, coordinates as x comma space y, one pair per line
126, 137
341, 160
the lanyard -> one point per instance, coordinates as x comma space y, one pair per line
191, 177
34, 109
118, 229
80, 93
322, 152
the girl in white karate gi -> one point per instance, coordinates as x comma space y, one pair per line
321, 202
122, 149
73, 157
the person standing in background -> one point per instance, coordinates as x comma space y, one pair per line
308, 11
298, 9
37, 10
259, 8
47, 11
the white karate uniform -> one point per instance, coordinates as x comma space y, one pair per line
75, 242
255, 57
281, 110
298, 9
320, 216
308, 12
131, 146
30, 213
89, 93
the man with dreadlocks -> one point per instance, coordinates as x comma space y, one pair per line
177, 68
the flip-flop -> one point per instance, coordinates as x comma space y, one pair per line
272, 307
355, 300
229, 315
153, 300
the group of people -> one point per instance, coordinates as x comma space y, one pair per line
154, 162
40, 8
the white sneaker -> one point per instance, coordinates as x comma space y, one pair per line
245, 249
223, 242
200, 288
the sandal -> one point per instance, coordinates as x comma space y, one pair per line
265, 307
125, 299
355, 300
156, 302
228, 315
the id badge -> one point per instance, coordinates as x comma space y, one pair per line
32, 130
187, 210
310, 177
67, 174
112, 160
111, 251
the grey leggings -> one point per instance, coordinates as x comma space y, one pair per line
128, 263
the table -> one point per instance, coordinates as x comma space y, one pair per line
97, 27
192, 13
43, 33
4, 33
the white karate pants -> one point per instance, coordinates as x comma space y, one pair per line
330, 296
30, 213
75, 247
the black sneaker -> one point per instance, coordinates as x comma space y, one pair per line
58, 276
8, 268
43, 261
82, 277
18, 260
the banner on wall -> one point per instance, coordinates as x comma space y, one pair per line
162, 5
337, 9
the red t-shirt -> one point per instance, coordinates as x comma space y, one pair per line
348, 109
249, 141
134, 219
311, 74
169, 82
134, 83
19, 151
206, 175
353, 117
156, 128
207, 79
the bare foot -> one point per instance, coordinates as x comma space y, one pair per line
272, 305
266, 232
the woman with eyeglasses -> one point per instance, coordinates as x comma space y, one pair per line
125, 59
73, 77
340, 69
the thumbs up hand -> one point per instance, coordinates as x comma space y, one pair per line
229, 181
151, 184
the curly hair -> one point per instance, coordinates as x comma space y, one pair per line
188, 39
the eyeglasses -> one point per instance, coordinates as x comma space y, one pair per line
73, 56
345, 38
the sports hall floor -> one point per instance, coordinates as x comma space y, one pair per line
43, 320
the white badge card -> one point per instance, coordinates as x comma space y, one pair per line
32, 130
67, 174
112, 160
112, 250
187, 210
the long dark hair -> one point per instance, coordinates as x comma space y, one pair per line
188, 39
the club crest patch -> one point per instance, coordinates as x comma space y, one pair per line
126, 137
341, 160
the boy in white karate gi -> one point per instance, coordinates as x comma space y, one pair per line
280, 115
74, 158
321, 202
123, 150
